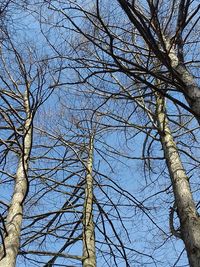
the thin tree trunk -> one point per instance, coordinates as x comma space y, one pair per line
186, 210
89, 255
15, 213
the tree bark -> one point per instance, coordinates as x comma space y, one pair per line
89, 254
189, 86
186, 210
15, 212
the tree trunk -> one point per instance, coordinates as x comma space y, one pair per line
89, 255
15, 212
190, 88
186, 210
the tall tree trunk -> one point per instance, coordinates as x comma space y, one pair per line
186, 210
9, 249
89, 255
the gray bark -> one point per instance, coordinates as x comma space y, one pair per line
89, 255
15, 213
189, 86
186, 210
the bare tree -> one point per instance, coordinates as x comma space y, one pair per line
19, 102
89, 208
